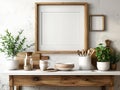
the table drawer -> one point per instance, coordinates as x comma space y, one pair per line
63, 80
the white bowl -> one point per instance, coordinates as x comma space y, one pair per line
64, 66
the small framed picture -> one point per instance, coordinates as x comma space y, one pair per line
97, 22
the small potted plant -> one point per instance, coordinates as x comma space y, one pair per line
114, 59
103, 56
11, 46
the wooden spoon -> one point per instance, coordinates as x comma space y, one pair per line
88, 52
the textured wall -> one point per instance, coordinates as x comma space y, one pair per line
19, 14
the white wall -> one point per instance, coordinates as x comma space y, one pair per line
20, 14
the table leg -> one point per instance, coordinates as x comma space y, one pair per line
18, 88
103, 88
11, 87
11, 82
111, 88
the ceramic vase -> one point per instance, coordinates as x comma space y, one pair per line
85, 63
12, 64
103, 66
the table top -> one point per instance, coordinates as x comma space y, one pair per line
73, 72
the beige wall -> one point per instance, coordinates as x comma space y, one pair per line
19, 14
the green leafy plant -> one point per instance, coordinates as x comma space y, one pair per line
12, 45
115, 58
103, 53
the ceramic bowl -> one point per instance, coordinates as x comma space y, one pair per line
64, 66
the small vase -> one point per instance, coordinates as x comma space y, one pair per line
28, 62
113, 66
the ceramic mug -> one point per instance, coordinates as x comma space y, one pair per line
43, 64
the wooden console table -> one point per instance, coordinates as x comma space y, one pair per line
20, 78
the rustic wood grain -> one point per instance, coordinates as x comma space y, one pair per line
111, 88
11, 82
18, 88
63, 80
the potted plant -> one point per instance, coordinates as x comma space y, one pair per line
11, 46
114, 59
103, 56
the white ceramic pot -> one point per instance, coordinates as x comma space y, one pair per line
85, 63
12, 64
43, 64
103, 66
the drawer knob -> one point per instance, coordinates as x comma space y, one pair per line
36, 79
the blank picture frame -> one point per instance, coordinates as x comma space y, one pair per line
97, 22
61, 27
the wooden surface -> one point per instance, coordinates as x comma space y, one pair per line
60, 3
18, 88
63, 80
11, 82
101, 81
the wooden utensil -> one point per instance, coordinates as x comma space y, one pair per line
88, 52
83, 52
91, 51
78, 52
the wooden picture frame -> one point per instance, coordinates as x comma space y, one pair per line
40, 27
97, 22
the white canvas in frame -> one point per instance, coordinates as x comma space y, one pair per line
61, 27
97, 22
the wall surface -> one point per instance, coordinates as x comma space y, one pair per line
20, 14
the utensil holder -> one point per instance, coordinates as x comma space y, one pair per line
85, 63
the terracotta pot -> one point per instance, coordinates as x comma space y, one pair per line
113, 66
